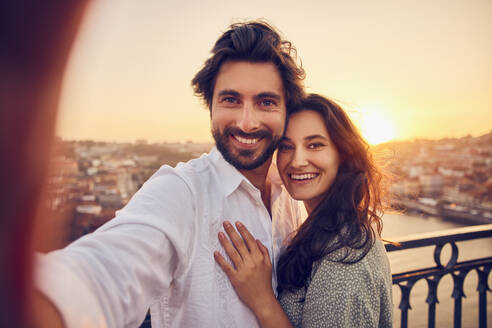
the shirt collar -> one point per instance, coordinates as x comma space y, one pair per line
232, 178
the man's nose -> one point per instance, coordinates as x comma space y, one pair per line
248, 119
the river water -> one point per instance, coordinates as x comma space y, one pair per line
396, 225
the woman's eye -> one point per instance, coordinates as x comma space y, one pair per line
285, 147
315, 145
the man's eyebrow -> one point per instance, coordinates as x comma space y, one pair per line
273, 95
229, 92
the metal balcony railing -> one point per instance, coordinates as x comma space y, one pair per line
433, 275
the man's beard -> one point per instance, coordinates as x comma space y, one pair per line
243, 159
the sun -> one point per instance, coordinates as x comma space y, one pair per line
375, 127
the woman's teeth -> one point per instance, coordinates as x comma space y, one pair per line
305, 176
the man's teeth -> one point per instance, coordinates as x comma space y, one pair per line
305, 176
247, 140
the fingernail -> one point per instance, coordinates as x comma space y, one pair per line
239, 224
227, 224
221, 235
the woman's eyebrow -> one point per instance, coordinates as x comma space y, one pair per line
311, 137
284, 138
314, 136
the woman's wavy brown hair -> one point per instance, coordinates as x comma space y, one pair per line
349, 215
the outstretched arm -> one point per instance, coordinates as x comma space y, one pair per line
251, 275
110, 277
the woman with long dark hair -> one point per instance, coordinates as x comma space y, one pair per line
334, 271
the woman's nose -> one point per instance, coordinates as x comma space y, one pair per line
299, 158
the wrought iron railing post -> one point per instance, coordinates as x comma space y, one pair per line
434, 274
482, 288
458, 295
405, 302
432, 283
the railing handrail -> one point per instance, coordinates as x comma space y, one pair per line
439, 237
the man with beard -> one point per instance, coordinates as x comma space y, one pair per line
158, 250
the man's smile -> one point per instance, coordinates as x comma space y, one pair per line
245, 142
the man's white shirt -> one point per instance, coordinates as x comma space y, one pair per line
158, 251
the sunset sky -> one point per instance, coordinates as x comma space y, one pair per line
402, 69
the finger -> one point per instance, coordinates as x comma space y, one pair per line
247, 237
230, 250
237, 240
263, 250
224, 265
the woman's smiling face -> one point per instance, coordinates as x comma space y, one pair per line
307, 159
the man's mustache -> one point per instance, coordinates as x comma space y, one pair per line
238, 132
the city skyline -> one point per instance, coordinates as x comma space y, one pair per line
144, 141
402, 70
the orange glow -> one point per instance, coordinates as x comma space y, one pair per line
376, 128
129, 73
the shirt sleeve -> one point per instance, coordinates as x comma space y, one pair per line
342, 295
110, 277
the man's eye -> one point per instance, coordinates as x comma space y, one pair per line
230, 100
268, 103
